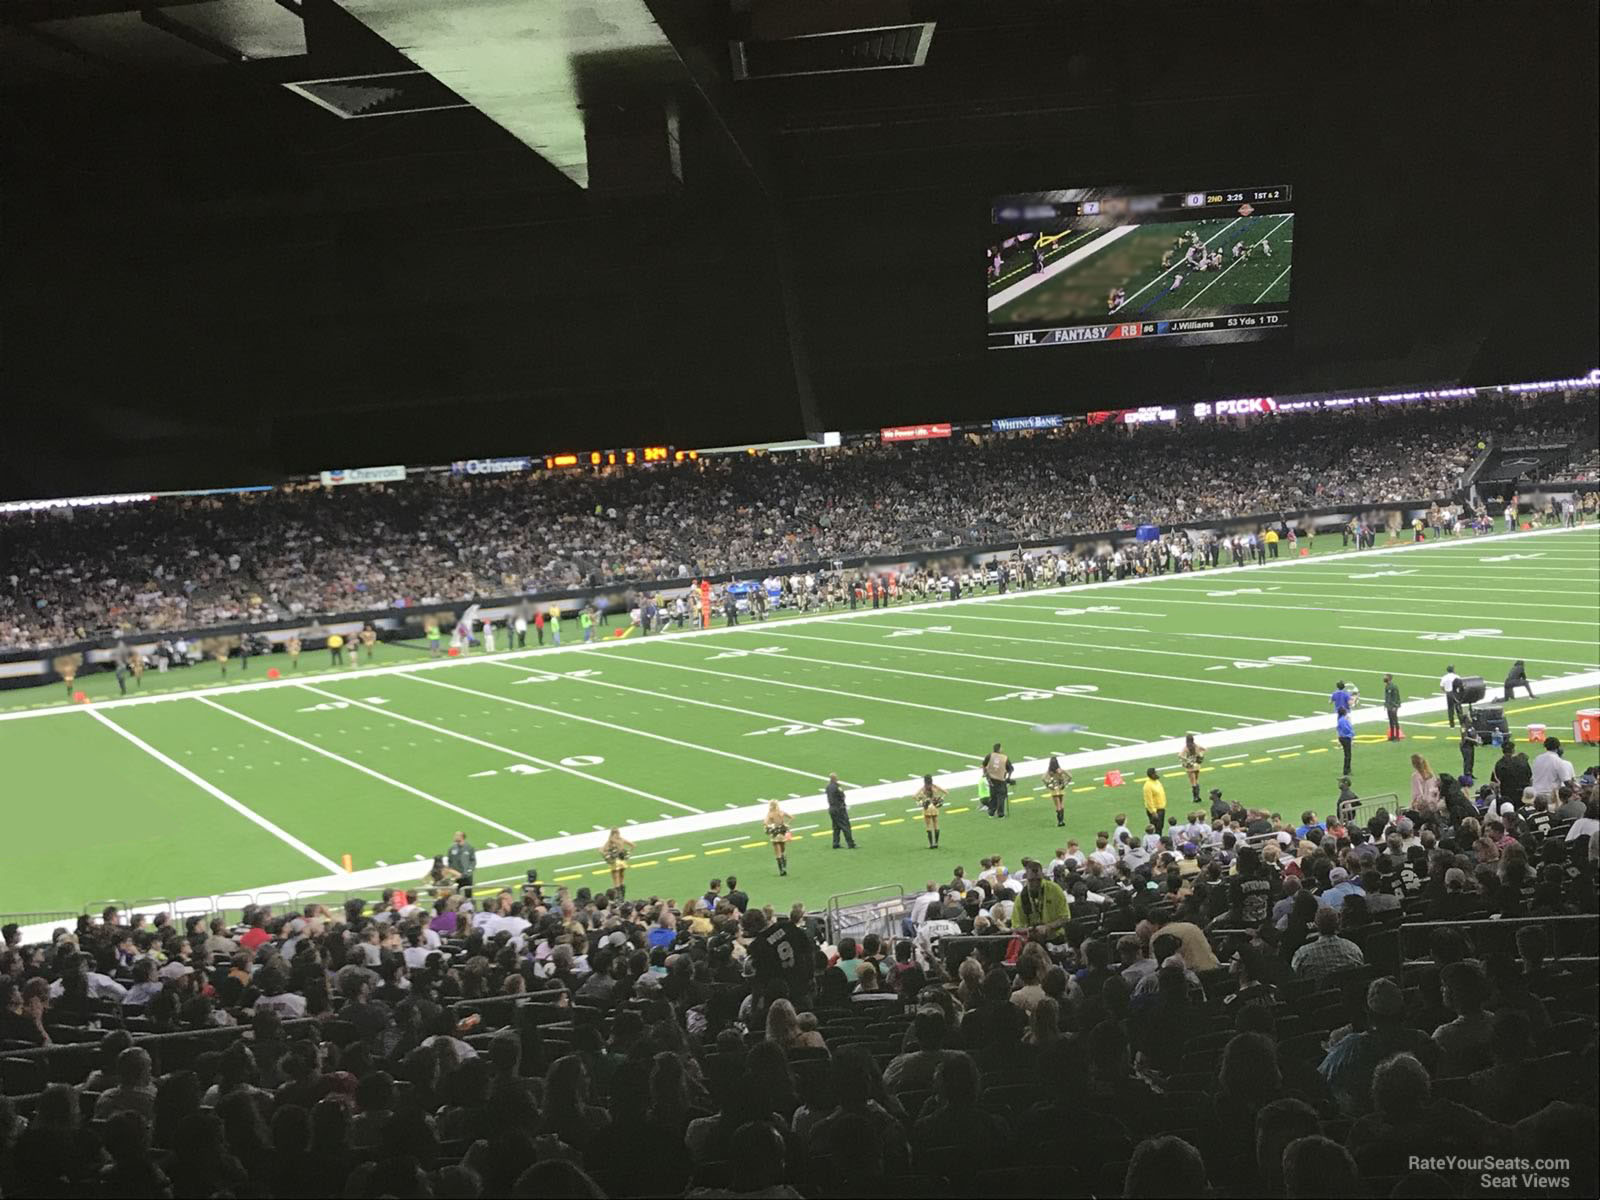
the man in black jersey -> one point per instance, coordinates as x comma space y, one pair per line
782, 950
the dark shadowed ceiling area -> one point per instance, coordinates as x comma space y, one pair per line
512, 226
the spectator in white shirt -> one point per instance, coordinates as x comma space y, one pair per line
1103, 853
1550, 770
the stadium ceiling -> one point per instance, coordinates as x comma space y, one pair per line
728, 222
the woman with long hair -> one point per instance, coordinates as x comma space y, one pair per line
931, 798
1424, 786
1190, 758
615, 851
1056, 781
784, 1029
777, 827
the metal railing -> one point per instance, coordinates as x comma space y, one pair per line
863, 916
1360, 810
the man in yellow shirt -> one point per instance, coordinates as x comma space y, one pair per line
1155, 800
335, 650
1041, 910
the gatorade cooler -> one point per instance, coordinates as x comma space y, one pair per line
1586, 728
1536, 733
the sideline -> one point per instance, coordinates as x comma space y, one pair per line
613, 644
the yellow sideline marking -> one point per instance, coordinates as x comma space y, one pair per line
719, 850
1318, 750
892, 821
1260, 760
751, 845
680, 858
654, 862
565, 878
1291, 754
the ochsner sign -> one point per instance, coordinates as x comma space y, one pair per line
491, 466
363, 475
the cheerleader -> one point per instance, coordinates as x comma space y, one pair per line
136, 665
777, 826
1190, 758
615, 852
369, 641
291, 647
1056, 781
931, 797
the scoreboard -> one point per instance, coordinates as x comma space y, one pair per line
1142, 266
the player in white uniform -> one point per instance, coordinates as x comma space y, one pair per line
1266, 248
1177, 282
1238, 249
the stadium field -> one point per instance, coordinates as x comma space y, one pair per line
1132, 260
260, 788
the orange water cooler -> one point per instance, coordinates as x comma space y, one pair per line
1586, 726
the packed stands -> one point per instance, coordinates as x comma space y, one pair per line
70, 574
1256, 1003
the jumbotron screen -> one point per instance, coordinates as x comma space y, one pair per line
1122, 264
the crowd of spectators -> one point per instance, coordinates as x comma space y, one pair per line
192, 563
1239, 1004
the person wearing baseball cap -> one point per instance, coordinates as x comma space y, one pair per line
1349, 1065
1218, 808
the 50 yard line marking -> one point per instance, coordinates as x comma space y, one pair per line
211, 789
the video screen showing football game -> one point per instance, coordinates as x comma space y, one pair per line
1116, 264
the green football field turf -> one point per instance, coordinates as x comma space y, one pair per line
1133, 262
230, 789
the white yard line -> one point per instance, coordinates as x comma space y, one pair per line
759, 681
768, 681
676, 827
467, 737
1273, 284
748, 712
1494, 606
1278, 641
1169, 270
1454, 589
213, 790
1498, 606
365, 770
1237, 261
1455, 625
1006, 295
1435, 652
614, 726
1039, 662
1205, 712
1537, 537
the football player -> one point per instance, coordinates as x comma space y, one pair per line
1177, 282
1166, 260
1266, 247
